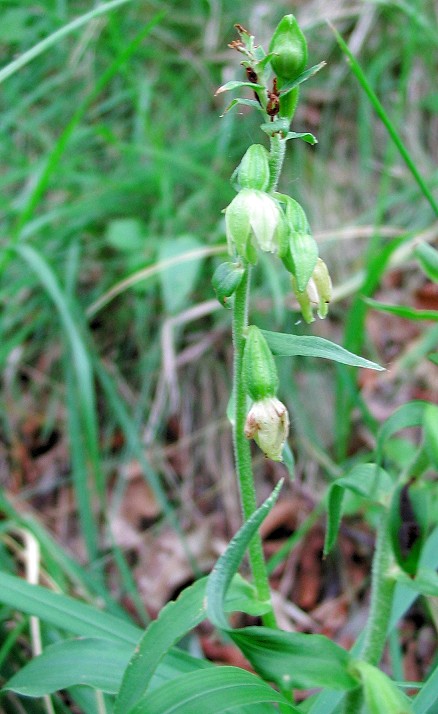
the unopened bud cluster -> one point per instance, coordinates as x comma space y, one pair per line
259, 218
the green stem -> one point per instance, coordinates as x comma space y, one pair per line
242, 451
276, 158
382, 591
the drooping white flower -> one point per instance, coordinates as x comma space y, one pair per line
268, 424
317, 294
254, 220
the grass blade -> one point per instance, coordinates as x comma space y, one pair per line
82, 391
381, 113
55, 37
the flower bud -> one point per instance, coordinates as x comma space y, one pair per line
302, 254
268, 424
289, 48
254, 219
253, 171
226, 280
317, 293
259, 370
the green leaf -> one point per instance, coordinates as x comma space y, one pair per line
410, 414
177, 282
430, 427
227, 565
246, 102
55, 37
304, 136
83, 378
381, 694
294, 659
278, 126
367, 480
175, 620
217, 690
381, 113
76, 617
428, 259
402, 311
65, 612
126, 235
302, 78
289, 460
93, 662
308, 346
425, 581
428, 696
288, 659
234, 84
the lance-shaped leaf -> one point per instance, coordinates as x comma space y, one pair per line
284, 345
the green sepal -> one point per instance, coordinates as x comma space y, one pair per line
253, 170
226, 279
302, 251
259, 369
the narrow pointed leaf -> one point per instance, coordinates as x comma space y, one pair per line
90, 661
308, 346
302, 78
294, 659
234, 84
367, 480
410, 414
228, 564
176, 619
428, 259
305, 136
246, 102
220, 689
381, 694
428, 696
409, 313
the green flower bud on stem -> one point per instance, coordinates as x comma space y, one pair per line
253, 171
259, 370
226, 279
302, 254
289, 48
